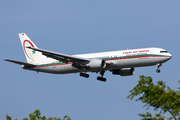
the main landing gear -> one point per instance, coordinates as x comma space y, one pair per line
158, 70
84, 75
101, 78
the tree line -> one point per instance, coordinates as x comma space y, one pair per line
159, 96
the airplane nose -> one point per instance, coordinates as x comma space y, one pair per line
170, 56
167, 57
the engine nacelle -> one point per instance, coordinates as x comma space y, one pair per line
97, 64
124, 71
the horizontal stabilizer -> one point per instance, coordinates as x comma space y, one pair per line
20, 63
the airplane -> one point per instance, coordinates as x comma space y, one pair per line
120, 62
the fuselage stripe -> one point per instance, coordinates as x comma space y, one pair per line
106, 59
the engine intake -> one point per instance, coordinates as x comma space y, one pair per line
124, 71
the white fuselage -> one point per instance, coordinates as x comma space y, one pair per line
114, 59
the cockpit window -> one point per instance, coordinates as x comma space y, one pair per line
163, 51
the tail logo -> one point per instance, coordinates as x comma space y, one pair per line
24, 47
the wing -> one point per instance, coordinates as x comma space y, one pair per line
59, 56
20, 63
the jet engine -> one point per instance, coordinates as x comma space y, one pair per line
124, 71
97, 64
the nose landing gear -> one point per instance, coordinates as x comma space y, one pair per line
158, 70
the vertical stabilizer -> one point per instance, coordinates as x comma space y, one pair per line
32, 56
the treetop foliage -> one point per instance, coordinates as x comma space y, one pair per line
158, 96
36, 115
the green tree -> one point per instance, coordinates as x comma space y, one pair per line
36, 115
159, 96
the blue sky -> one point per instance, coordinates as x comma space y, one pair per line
82, 26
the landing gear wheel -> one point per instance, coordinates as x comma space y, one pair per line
101, 79
104, 79
81, 74
158, 71
84, 75
158, 66
98, 78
